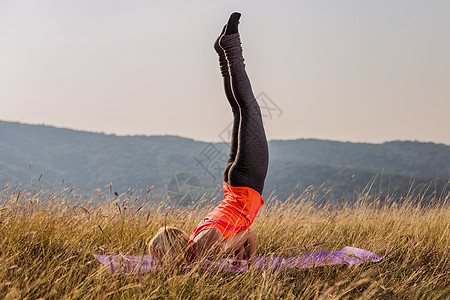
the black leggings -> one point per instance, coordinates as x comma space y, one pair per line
249, 155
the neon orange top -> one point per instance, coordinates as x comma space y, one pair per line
236, 212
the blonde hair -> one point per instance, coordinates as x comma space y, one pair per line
170, 245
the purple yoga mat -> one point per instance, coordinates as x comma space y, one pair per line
132, 264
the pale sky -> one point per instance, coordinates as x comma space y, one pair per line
362, 71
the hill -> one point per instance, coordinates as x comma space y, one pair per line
89, 160
398, 157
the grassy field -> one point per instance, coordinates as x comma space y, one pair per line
47, 246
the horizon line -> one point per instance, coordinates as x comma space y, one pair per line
213, 141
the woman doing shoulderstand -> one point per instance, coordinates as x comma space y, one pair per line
226, 230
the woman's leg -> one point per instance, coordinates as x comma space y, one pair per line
252, 156
234, 105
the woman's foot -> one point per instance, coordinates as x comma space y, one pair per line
230, 42
233, 23
222, 59
217, 47
230, 28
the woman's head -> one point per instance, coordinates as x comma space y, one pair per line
170, 245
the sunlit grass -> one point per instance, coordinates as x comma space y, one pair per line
48, 238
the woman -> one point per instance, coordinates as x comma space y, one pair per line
225, 231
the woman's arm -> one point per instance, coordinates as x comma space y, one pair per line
250, 247
244, 239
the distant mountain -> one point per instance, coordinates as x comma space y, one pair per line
82, 159
398, 157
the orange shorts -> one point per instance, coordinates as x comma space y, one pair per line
236, 212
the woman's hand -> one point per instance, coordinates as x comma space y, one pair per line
238, 262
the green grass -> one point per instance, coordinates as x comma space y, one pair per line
47, 245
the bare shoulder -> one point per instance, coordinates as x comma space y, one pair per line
207, 243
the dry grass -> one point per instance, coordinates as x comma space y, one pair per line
47, 244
